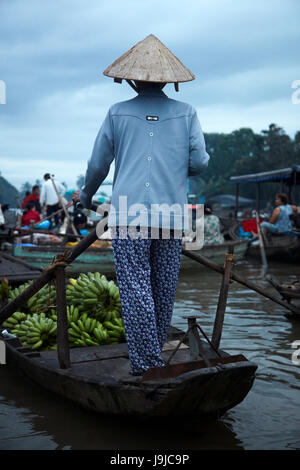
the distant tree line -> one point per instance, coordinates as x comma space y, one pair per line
244, 152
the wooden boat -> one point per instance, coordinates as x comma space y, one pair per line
99, 380
41, 255
282, 248
91, 259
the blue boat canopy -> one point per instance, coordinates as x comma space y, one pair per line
289, 175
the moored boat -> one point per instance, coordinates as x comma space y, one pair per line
285, 247
41, 255
282, 248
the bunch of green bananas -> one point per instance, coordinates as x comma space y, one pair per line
116, 330
42, 299
14, 320
39, 301
4, 289
17, 291
95, 294
93, 312
87, 332
41, 331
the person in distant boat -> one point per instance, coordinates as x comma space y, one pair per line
34, 197
80, 221
31, 216
212, 230
280, 221
26, 199
49, 197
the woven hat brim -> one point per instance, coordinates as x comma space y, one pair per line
149, 61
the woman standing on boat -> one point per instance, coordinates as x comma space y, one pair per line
280, 222
157, 143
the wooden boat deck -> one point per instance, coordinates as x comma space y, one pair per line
16, 270
109, 361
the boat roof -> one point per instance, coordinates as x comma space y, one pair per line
290, 175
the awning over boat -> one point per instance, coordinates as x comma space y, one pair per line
228, 200
289, 175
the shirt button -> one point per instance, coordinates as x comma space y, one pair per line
147, 185
149, 158
151, 134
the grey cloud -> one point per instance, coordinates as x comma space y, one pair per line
52, 55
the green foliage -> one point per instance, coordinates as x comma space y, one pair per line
244, 152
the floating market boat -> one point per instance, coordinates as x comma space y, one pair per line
198, 380
92, 258
41, 255
286, 247
99, 379
282, 248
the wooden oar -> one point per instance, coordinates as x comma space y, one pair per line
262, 247
219, 320
64, 208
210, 264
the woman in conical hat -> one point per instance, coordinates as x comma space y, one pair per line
156, 143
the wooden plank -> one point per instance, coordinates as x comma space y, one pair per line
20, 262
171, 345
220, 314
62, 320
92, 353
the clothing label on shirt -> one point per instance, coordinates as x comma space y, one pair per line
152, 118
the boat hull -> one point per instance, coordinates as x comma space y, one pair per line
102, 259
286, 249
203, 393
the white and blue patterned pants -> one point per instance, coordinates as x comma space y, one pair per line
147, 274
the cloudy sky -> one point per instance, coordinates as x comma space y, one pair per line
245, 55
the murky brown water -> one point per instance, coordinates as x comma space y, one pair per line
269, 417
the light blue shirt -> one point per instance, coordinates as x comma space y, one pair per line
283, 222
156, 142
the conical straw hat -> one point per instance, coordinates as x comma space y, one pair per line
149, 61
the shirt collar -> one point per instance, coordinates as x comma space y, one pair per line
153, 92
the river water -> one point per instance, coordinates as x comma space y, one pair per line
268, 418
